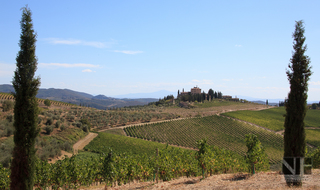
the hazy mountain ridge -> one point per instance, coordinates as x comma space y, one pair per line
85, 99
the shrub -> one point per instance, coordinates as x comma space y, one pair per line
6, 149
62, 127
50, 149
47, 102
256, 156
79, 125
315, 155
85, 128
7, 105
49, 121
57, 124
48, 129
56, 117
9, 118
66, 146
39, 120
8, 131
70, 118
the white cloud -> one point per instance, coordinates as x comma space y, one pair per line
194, 80
128, 52
81, 42
315, 83
227, 79
67, 65
87, 71
237, 45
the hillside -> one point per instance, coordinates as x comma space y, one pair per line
74, 97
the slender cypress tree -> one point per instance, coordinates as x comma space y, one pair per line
298, 76
26, 107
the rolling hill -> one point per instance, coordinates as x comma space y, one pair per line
74, 97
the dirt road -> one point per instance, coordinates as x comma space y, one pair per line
83, 142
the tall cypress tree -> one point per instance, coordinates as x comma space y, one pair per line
298, 76
26, 107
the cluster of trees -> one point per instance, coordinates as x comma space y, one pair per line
167, 100
315, 106
200, 97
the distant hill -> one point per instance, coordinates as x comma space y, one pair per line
74, 97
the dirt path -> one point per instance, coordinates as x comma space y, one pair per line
137, 124
262, 180
83, 142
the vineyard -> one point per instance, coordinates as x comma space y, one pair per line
273, 118
6, 96
106, 141
113, 168
220, 131
113, 158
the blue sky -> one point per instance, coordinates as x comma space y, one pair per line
121, 47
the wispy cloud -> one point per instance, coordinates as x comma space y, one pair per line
96, 44
315, 83
128, 52
87, 71
67, 65
237, 45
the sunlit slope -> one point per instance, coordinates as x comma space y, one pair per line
220, 131
274, 118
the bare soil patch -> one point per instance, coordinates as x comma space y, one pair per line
262, 180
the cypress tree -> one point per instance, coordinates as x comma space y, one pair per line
26, 107
298, 76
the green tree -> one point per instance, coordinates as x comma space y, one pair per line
298, 76
211, 93
26, 107
47, 102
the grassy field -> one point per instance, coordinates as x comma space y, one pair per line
116, 132
220, 131
119, 144
313, 137
273, 118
